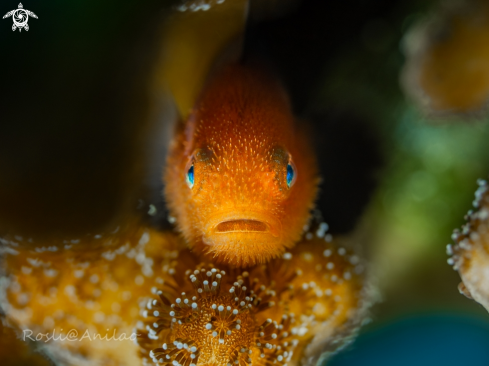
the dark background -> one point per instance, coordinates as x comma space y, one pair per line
74, 104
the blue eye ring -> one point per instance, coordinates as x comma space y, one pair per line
291, 176
189, 176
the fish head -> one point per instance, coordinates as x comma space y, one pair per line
242, 180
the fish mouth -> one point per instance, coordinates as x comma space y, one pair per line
231, 223
242, 226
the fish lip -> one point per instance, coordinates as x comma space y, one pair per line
260, 222
253, 226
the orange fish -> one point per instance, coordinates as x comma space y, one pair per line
241, 176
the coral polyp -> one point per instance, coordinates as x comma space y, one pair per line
470, 255
266, 315
218, 321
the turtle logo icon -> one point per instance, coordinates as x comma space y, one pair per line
20, 17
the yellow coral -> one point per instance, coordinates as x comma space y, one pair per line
447, 70
264, 315
312, 295
59, 292
218, 321
470, 255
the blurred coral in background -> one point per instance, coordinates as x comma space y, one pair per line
446, 70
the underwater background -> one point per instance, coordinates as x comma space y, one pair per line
75, 116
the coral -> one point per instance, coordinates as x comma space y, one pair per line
195, 36
470, 255
446, 70
314, 293
65, 293
214, 326
266, 315
241, 177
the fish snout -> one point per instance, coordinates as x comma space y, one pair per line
245, 223
243, 226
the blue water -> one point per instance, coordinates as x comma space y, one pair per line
421, 341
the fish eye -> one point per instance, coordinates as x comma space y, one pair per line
291, 173
190, 176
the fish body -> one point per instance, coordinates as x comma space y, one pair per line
241, 177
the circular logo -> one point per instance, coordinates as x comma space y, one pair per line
20, 18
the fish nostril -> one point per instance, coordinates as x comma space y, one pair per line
241, 226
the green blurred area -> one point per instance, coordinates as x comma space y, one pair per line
429, 178
427, 188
